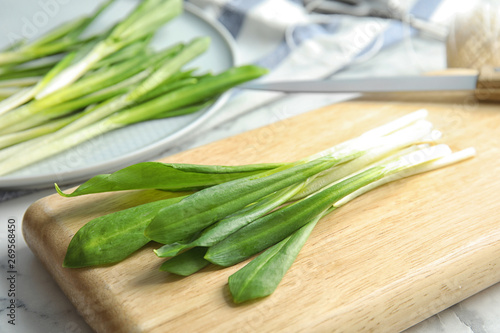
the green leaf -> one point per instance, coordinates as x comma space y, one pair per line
200, 210
184, 110
190, 51
168, 85
111, 238
207, 87
166, 176
71, 29
220, 230
274, 227
186, 263
261, 276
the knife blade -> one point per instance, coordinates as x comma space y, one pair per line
485, 83
380, 84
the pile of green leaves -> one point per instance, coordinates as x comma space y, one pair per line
232, 213
63, 89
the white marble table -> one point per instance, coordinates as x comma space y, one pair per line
42, 307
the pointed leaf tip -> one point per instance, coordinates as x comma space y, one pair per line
61, 193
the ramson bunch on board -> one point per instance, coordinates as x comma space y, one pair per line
223, 215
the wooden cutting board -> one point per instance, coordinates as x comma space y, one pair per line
382, 263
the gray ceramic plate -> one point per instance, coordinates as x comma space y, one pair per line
140, 141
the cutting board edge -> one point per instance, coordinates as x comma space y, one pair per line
74, 283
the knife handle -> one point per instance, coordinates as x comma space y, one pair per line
488, 84
488, 81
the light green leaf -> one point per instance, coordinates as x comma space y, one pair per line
274, 227
261, 276
166, 176
186, 263
200, 210
111, 238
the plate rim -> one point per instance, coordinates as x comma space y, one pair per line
77, 175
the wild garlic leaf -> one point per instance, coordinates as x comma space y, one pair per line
201, 209
222, 229
274, 227
261, 276
186, 263
113, 237
166, 176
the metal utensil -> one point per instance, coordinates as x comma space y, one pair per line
485, 83
376, 8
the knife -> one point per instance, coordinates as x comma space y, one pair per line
484, 82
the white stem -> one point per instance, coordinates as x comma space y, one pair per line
9, 58
416, 169
29, 134
51, 60
18, 148
432, 136
397, 124
417, 157
375, 148
9, 91
95, 114
17, 99
21, 82
74, 72
338, 173
411, 131
57, 146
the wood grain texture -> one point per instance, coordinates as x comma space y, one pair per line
384, 262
